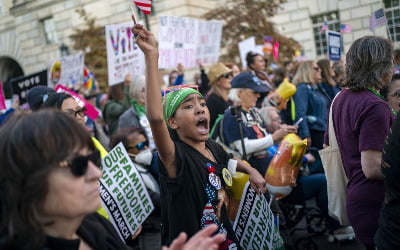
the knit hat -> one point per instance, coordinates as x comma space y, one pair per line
38, 95
250, 81
216, 71
173, 99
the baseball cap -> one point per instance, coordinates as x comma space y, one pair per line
250, 81
37, 95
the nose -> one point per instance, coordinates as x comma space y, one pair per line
201, 109
93, 172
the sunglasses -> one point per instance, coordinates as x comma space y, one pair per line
227, 75
80, 112
79, 164
140, 145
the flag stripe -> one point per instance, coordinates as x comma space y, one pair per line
143, 5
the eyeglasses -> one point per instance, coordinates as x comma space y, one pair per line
179, 87
316, 69
79, 164
227, 75
397, 94
140, 145
80, 112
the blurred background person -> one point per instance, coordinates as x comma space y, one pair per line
234, 67
136, 116
338, 68
115, 106
310, 104
391, 93
217, 99
249, 127
327, 83
257, 66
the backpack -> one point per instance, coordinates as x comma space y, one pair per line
217, 134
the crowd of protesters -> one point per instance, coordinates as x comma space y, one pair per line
50, 155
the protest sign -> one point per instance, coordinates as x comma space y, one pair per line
246, 46
123, 193
209, 41
177, 41
123, 55
254, 224
71, 69
91, 111
334, 45
2, 100
22, 84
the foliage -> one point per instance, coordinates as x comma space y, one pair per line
246, 18
91, 40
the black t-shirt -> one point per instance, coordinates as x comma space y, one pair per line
216, 105
387, 235
184, 197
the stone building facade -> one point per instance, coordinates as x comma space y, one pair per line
32, 31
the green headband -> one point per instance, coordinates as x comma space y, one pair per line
172, 100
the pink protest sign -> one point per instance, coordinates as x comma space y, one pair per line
2, 101
91, 111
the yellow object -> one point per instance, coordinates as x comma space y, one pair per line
239, 180
286, 89
103, 153
284, 167
227, 177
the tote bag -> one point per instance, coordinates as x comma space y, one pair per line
335, 176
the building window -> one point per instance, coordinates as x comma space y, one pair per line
392, 13
333, 21
49, 30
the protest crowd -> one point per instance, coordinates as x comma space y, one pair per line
209, 163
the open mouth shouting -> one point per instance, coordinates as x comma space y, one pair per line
202, 126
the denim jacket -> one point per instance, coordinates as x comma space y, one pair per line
312, 105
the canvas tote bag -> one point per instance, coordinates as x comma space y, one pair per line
335, 176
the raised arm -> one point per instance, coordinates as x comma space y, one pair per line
165, 146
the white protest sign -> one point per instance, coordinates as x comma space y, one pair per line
209, 41
254, 224
71, 69
123, 55
177, 41
123, 193
246, 46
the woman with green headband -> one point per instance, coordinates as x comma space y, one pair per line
191, 164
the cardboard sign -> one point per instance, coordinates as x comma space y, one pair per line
91, 111
209, 41
188, 41
123, 55
71, 69
334, 45
22, 84
246, 46
254, 224
123, 193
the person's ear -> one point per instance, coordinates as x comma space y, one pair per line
172, 123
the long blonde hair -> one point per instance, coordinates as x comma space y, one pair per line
305, 73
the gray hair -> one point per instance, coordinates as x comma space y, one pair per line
137, 84
234, 95
369, 62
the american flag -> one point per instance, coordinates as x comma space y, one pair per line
324, 27
144, 5
345, 28
377, 19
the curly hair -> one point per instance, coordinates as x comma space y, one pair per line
369, 63
31, 146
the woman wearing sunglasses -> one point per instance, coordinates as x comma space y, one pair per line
217, 99
191, 164
49, 175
